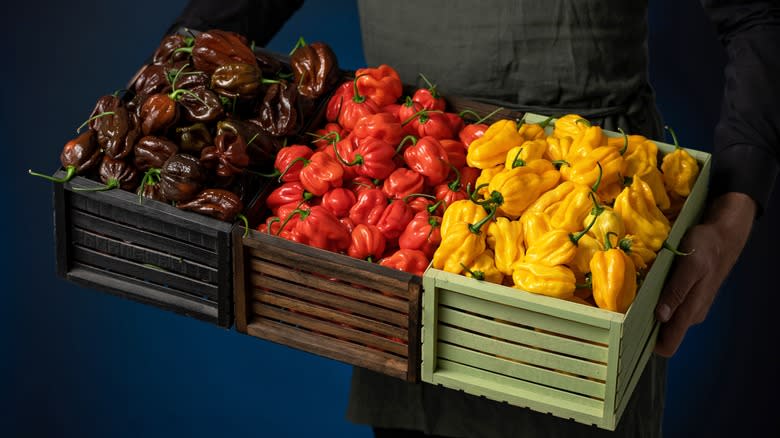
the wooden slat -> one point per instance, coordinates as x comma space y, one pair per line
143, 255
520, 335
61, 230
522, 371
330, 315
145, 238
143, 292
323, 298
141, 272
284, 252
518, 392
314, 282
336, 349
625, 395
523, 317
307, 323
240, 284
415, 331
225, 279
458, 104
522, 354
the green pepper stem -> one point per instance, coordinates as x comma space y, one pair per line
269, 222
477, 275
588, 282
298, 44
70, 172
357, 98
302, 213
597, 207
516, 161
473, 195
340, 158
560, 163
432, 208
585, 122
86, 122
187, 49
417, 195
151, 177
431, 87
625, 142
174, 95
112, 184
546, 122
421, 113
401, 145
246, 223
490, 114
269, 81
454, 185
674, 137
475, 228
252, 139
607, 241
598, 180
575, 238
675, 251
289, 166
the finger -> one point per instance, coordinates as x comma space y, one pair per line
685, 274
672, 333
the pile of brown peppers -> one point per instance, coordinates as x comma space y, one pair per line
201, 121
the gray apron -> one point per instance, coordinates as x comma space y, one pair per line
553, 57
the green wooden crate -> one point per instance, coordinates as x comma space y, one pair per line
547, 354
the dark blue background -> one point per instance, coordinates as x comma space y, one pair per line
77, 362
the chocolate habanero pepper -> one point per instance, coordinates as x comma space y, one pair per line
201, 105
422, 233
553, 281
402, 183
237, 80
288, 193
149, 188
680, 169
408, 260
261, 146
339, 201
395, 218
217, 47
483, 268
491, 149
78, 156
521, 186
167, 51
182, 178
193, 138
318, 227
152, 152
641, 216
427, 157
151, 79
367, 243
218, 203
381, 84
116, 128
277, 113
115, 174
505, 238
368, 207
461, 243
228, 155
315, 68
556, 247
613, 278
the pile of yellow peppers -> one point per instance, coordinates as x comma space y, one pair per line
572, 214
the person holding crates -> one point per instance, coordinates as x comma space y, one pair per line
560, 57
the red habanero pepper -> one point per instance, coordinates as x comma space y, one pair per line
348, 223
343, 93
393, 109
429, 97
367, 243
339, 201
422, 202
456, 123
428, 157
422, 233
381, 84
381, 125
468, 176
454, 191
456, 152
326, 135
407, 112
320, 173
361, 183
431, 123
286, 165
354, 106
395, 218
407, 260
372, 158
369, 207
339, 150
288, 193
472, 132
318, 227
402, 183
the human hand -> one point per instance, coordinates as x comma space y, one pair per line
714, 246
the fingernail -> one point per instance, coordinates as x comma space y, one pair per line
663, 313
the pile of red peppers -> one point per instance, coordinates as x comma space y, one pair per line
200, 121
374, 181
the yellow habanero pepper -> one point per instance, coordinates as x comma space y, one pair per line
490, 149
607, 222
553, 281
580, 264
570, 125
585, 170
613, 278
590, 139
636, 205
641, 154
641, 255
484, 268
505, 238
557, 148
528, 151
463, 210
521, 186
680, 169
567, 205
485, 176
555, 247
534, 131
535, 224
461, 245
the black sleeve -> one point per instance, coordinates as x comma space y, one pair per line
747, 137
258, 20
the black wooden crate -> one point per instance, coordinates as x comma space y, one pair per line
149, 252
